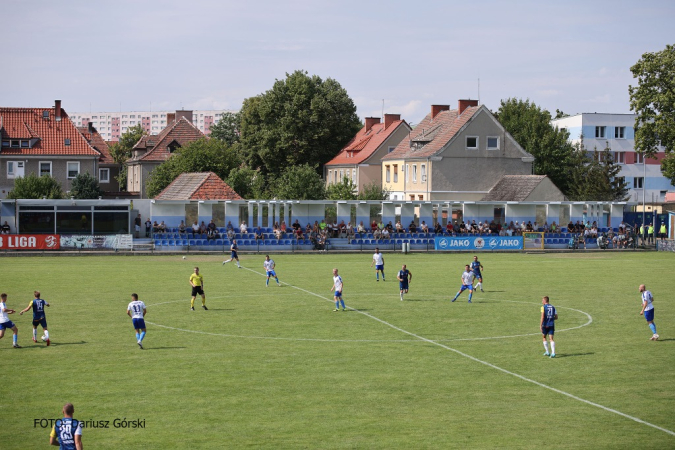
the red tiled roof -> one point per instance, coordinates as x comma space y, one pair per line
431, 135
51, 135
96, 141
364, 144
180, 131
198, 186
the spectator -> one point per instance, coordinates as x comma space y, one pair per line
385, 233
155, 227
361, 228
137, 226
211, 233
296, 226
6, 228
474, 227
195, 227
148, 227
242, 228
283, 228
380, 225
424, 227
373, 226
212, 225
412, 227
229, 226
298, 233
181, 227
462, 228
377, 234
570, 227
399, 227
449, 228
342, 228
438, 228
161, 227
259, 234
663, 231
493, 227
334, 229
322, 225
529, 226
203, 228
554, 227
350, 230
230, 233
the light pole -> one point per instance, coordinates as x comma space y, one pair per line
644, 188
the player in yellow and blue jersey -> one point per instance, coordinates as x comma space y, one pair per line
39, 317
547, 325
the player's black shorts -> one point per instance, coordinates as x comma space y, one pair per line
197, 290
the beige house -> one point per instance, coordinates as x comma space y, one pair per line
360, 159
453, 155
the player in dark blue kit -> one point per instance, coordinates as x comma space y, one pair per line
67, 432
233, 253
39, 317
547, 325
404, 279
476, 267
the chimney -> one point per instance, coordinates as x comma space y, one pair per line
463, 104
435, 109
90, 127
184, 113
57, 110
390, 118
370, 121
170, 118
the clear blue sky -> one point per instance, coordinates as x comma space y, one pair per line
204, 54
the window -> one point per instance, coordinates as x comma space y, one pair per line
45, 168
5, 143
330, 175
412, 197
132, 116
619, 157
423, 171
341, 175
124, 116
66, 141
639, 158
407, 171
600, 132
390, 149
395, 173
104, 175
420, 197
471, 142
335, 174
414, 173
73, 169
638, 182
619, 132
10, 169
388, 174
24, 144
493, 143
354, 175
15, 169
15, 144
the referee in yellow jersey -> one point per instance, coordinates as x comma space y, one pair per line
197, 283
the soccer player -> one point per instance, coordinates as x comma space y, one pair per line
136, 310
404, 279
39, 317
5, 323
547, 325
378, 260
269, 266
476, 267
337, 289
233, 253
467, 283
197, 283
67, 432
648, 310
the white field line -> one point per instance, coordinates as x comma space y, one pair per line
485, 363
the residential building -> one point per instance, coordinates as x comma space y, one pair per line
152, 150
43, 141
111, 125
453, 155
108, 170
198, 186
616, 132
359, 160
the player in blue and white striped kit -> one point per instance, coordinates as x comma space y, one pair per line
648, 310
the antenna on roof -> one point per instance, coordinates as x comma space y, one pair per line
382, 108
479, 90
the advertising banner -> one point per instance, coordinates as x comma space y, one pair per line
104, 241
478, 243
29, 241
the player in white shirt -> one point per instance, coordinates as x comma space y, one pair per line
136, 310
467, 283
269, 266
337, 291
5, 323
648, 310
378, 260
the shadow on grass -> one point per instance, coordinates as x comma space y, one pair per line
664, 340
568, 355
418, 300
162, 348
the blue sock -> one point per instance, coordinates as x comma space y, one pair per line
142, 335
470, 295
337, 304
277, 280
343, 303
14, 338
267, 282
377, 275
457, 295
652, 327
138, 337
382, 276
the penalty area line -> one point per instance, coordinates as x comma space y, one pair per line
487, 364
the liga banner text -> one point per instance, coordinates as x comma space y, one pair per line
30, 242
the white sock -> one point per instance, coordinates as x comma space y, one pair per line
401, 295
46, 334
546, 346
480, 285
553, 347
228, 260
34, 333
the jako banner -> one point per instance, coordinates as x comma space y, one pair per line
479, 243
30, 242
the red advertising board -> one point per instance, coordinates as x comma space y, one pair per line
30, 242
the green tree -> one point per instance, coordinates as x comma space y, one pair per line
202, 155
121, 151
227, 128
341, 191
301, 120
531, 127
32, 186
85, 186
597, 178
247, 182
373, 191
299, 183
668, 167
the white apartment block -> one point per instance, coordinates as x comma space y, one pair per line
111, 125
617, 132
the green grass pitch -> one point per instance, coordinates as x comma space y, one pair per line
276, 368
